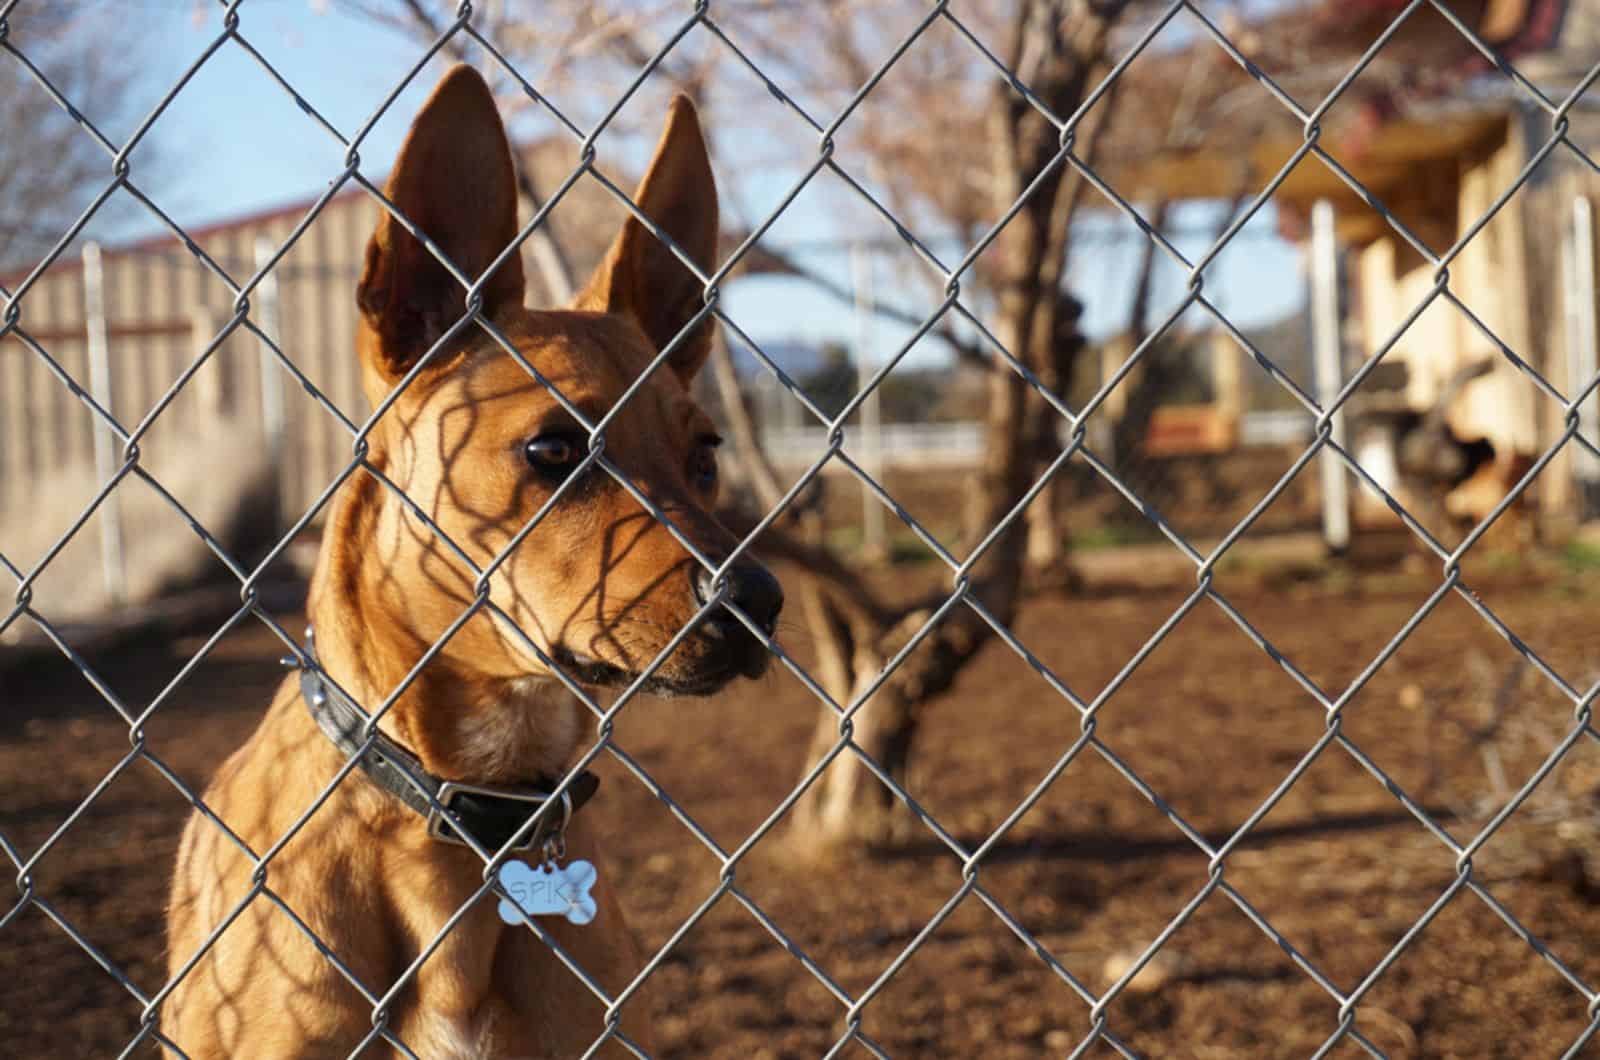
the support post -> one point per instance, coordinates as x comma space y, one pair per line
873, 538
1583, 360
112, 570
268, 315
1326, 352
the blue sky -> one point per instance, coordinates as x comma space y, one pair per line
233, 142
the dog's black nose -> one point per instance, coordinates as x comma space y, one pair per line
752, 589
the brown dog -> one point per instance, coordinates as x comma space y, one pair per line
599, 585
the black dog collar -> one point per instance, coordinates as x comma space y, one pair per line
490, 814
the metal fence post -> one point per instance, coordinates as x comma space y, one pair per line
1325, 351
272, 411
112, 568
873, 535
1582, 360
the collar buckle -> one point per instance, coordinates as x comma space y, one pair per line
443, 817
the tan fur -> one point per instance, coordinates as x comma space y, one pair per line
599, 578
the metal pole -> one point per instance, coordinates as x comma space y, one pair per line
873, 542
1325, 352
272, 414
1583, 361
105, 460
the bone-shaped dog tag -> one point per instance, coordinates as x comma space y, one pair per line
549, 890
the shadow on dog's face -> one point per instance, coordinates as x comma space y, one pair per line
481, 447
599, 583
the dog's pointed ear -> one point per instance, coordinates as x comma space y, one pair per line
455, 182
639, 275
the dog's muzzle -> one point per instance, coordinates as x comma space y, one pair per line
750, 588
719, 648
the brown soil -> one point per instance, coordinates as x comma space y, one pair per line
1095, 871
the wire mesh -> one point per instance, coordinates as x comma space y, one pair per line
704, 19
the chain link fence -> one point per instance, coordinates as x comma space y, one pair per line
1073, 427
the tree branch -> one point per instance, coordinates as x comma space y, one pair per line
766, 260
817, 564
746, 443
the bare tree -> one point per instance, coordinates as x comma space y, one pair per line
948, 143
50, 168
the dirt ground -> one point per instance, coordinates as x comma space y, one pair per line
1095, 871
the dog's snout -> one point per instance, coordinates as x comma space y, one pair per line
751, 588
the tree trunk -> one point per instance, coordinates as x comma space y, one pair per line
848, 804
1057, 44
1047, 546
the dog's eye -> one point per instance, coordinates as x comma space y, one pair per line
703, 464
554, 455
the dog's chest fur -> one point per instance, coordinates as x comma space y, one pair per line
460, 1040
533, 731
452, 1040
